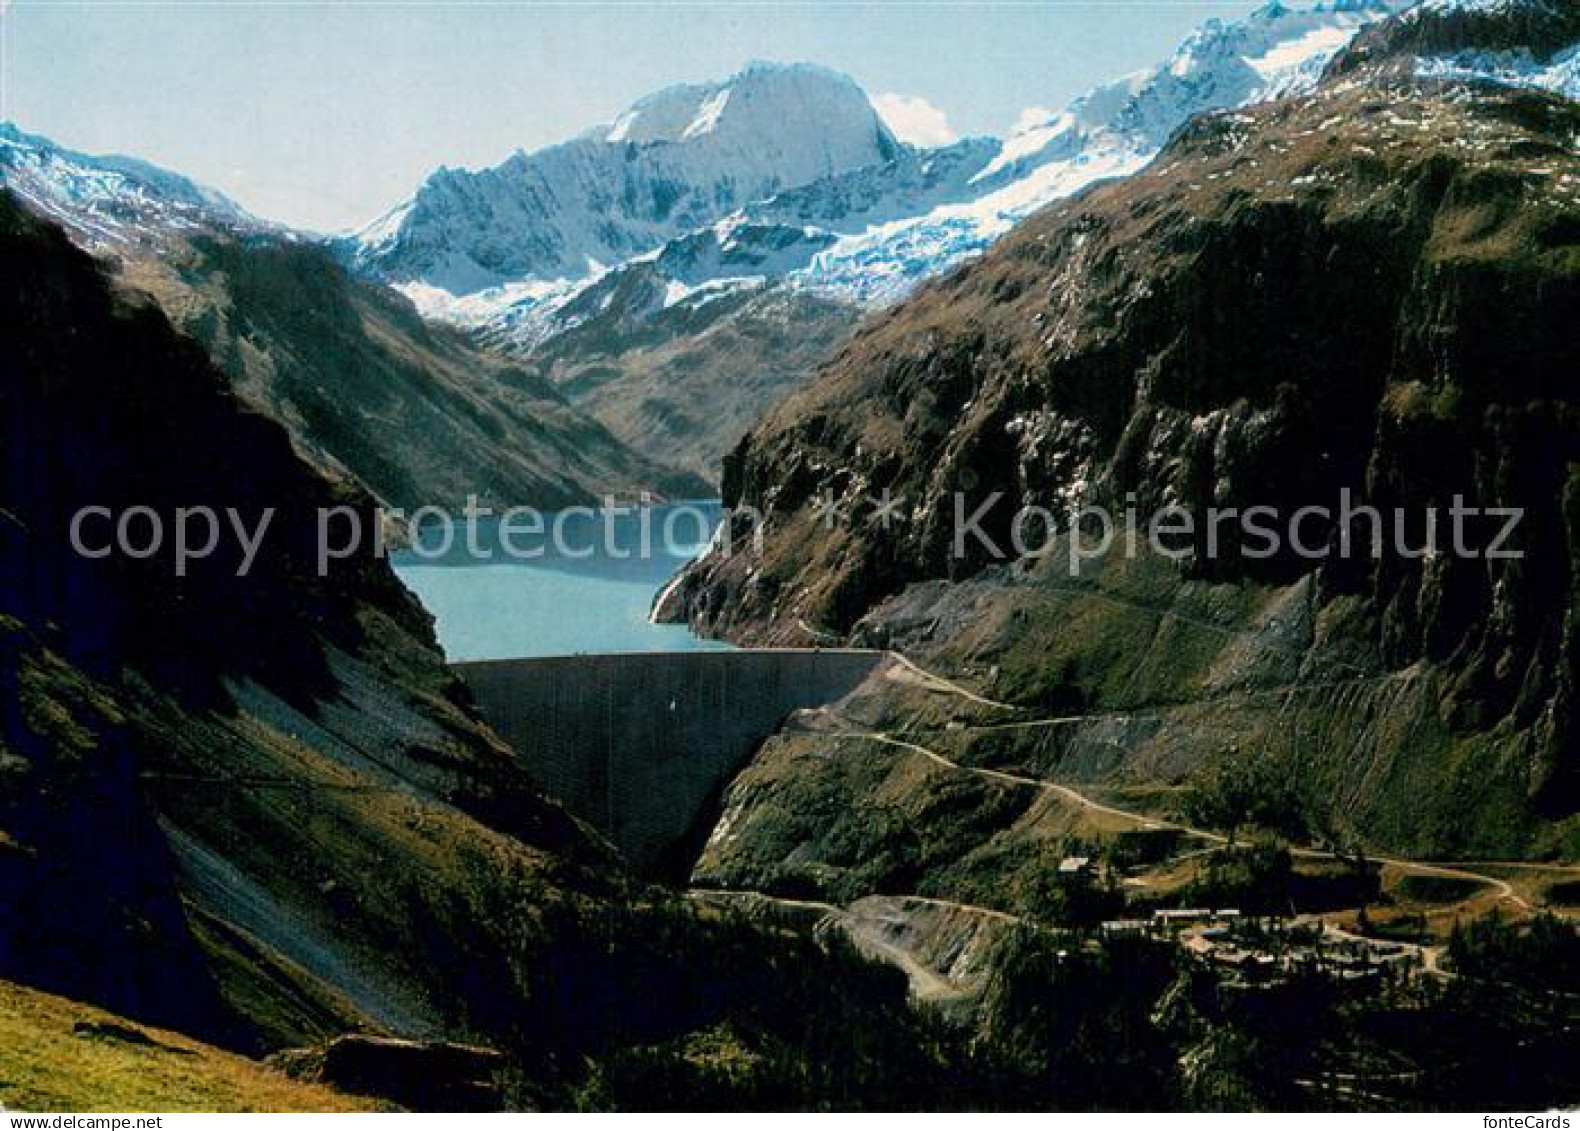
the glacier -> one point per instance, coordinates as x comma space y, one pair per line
1110, 132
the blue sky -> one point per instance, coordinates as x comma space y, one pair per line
325, 115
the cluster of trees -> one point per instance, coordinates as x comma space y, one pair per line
1256, 878
1542, 954
1244, 788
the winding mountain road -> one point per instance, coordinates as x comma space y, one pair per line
927, 984
1501, 889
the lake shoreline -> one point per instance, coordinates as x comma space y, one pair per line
584, 582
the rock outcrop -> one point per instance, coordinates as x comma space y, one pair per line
418, 1075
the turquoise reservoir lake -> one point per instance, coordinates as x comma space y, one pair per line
576, 581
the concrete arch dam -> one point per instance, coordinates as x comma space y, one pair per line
641, 745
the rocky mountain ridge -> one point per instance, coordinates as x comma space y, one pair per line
1358, 289
868, 233
414, 412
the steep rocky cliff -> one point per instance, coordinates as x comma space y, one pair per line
1539, 29
1366, 289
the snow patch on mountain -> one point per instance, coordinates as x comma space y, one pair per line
708, 115
108, 200
1428, 7
881, 265
681, 294
1292, 57
1510, 68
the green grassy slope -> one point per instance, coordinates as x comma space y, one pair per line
61, 1055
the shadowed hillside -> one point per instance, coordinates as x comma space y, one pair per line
417, 413
682, 383
260, 811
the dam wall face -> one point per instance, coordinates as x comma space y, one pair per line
641, 745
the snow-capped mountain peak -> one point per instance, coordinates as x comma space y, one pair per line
1110, 131
673, 162
764, 100
785, 172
